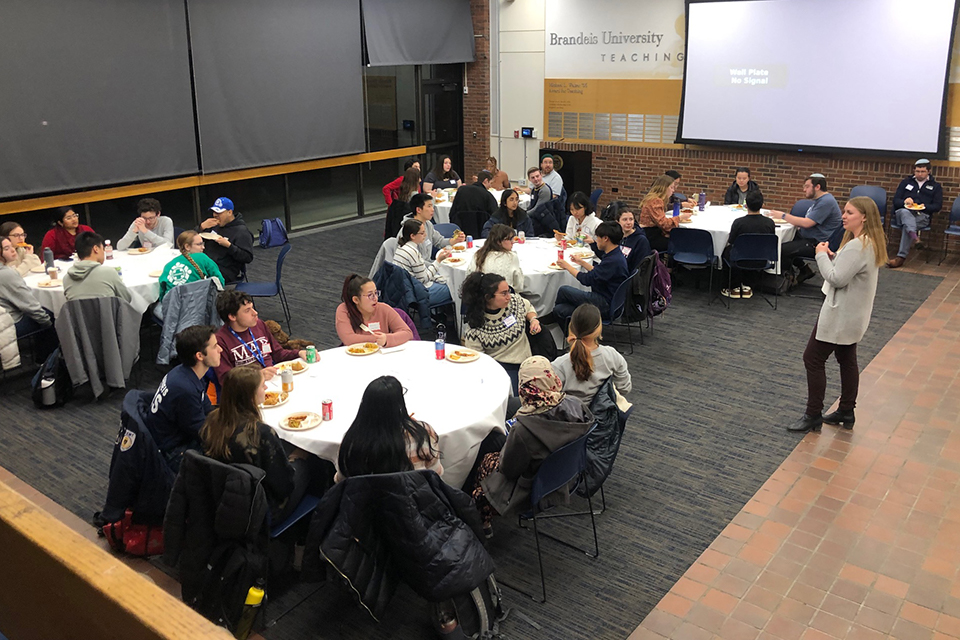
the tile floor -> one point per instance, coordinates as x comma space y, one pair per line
857, 534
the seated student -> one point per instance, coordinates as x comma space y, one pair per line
391, 190
588, 364
582, 221
497, 256
234, 432
190, 266
653, 218
753, 222
815, 226
61, 238
17, 300
676, 196
547, 419
918, 189
510, 214
149, 226
245, 339
26, 258
88, 277
401, 206
473, 198
500, 179
180, 406
541, 209
384, 438
634, 246
742, 185
603, 279
233, 248
442, 177
409, 258
360, 306
421, 207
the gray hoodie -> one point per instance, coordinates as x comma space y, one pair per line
90, 279
17, 299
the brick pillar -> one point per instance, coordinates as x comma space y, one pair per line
476, 104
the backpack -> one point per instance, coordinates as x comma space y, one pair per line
661, 288
611, 213
232, 570
472, 615
53, 374
136, 539
272, 233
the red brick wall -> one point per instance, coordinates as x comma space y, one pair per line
780, 175
476, 104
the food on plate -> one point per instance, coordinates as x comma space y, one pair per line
296, 420
688, 210
369, 345
464, 354
915, 206
49, 283
271, 398
357, 350
297, 366
459, 247
453, 260
140, 250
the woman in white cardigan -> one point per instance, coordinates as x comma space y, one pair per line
497, 256
850, 285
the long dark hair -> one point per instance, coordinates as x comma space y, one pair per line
477, 290
494, 242
376, 442
238, 408
440, 173
503, 213
410, 228
351, 287
410, 184
583, 323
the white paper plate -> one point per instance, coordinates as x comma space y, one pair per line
313, 420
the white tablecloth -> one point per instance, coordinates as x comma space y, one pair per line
441, 210
462, 402
540, 282
718, 220
144, 289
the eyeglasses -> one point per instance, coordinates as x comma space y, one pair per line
18, 235
505, 294
149, 218
373, 295
71, 216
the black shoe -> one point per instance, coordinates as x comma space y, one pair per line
807, 423
843, 418
805, 274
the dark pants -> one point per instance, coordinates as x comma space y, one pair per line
791, 252
569, 298
658, 241
44, 342
815, 360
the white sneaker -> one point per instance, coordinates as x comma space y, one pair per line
730, 293
746, 292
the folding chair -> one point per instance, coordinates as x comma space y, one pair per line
693, 248
270, 289
617, 307
749, 249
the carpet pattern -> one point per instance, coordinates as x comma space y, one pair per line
713, 389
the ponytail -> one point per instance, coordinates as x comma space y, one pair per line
584, 323
580, 358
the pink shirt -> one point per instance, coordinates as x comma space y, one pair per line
384, 315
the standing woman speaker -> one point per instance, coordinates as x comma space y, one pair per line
850, 285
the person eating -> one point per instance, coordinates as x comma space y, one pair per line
362, 318
149, 227
582, 221
422, 208
17, 300
232, 248
653, 218
510, 214
63, 236
26, 258
497, 256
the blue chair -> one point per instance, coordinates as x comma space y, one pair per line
799, 209
693, 248
176, 234
270, 289
307, 504
617, 306
877, 194
446, 229
595, 197
953, 227
749, 249
560, 469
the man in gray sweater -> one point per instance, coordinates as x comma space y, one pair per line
149, 226
88, 277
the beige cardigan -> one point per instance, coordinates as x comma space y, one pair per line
850, 284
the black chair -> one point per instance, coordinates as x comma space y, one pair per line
747, 251
618, 305
693, 248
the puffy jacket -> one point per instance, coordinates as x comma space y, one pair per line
732, 196
377, 530
9, 349
400, 289
604, 442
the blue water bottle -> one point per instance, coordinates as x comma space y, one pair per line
439, 345
676, 208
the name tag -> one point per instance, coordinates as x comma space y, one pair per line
374, 326
909, 187
625, 251
929, 186
510, 320
265, 347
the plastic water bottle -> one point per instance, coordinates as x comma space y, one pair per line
440, 347
676, 208
702, 200
251, 606
107, 250
48, 257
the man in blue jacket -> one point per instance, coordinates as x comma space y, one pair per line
603, 278
916, 200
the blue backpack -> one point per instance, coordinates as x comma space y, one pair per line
272, 233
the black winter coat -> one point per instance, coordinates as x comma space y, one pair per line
377, 530
732, 196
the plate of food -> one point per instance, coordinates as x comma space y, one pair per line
585, 255
463, 355
274, 399
916, 207
50, 284
737, 207
301, 421
780, 221
39, 269
156, 273
139, 251
296, 366
453, 261
686, 210
457, 248
556, 267
363, 348
209, 235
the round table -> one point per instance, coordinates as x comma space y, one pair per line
135, 269
462, 402
441, 209
718, 219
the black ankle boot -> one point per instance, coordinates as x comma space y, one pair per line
843, 418
807, 423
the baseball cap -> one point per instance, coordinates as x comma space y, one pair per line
222, 204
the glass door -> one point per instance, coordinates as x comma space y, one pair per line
442, 115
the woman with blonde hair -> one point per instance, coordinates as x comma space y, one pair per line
497, 256
850, 286
588, 364
653, 218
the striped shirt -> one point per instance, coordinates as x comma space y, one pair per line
409, 259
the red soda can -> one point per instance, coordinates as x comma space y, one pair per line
563, 243
559, 254
327, 410
469, 242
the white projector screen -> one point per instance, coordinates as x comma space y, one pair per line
847, 75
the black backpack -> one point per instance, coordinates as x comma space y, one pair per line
53, 374
233, 568
611, 212
471, 616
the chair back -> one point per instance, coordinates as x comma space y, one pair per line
619, 299
446, 229
176, 234
692, 246
384, 254
877, 194
755, 247
955, 212
559, 468
407, 320
280, 258
836, 238
595, 197
470, 222
800, 208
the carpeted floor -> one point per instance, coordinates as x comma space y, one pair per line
713, 389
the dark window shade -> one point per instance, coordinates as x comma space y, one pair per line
417, 32
276, 80
93, 93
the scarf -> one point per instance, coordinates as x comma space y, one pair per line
540, 388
